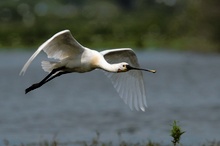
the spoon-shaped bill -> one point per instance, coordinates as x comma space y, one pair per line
135, 68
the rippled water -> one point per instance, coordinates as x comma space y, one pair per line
73, 107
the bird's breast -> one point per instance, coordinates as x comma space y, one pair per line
79, 67
87, 61
91, 58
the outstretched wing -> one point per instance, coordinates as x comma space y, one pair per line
59, 46
129, 85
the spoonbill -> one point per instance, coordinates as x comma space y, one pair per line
120, 65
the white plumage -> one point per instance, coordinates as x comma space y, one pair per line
120, 65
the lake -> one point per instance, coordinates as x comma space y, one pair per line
75, 106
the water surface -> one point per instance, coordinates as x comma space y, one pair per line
73, 107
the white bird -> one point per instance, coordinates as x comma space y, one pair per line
71, 57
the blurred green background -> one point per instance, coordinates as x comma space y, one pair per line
142, 24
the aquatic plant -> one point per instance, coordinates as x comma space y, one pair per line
176, 133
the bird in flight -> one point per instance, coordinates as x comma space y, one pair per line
120, 65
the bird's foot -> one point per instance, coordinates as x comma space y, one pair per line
32, 87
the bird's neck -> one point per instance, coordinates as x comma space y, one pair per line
109, 67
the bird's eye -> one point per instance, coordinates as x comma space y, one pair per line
123, 65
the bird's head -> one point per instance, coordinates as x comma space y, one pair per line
124, 67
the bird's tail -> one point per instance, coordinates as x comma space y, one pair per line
48, 66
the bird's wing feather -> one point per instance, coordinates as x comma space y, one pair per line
59, 46
129, 85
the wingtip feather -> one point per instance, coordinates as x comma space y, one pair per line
21, 73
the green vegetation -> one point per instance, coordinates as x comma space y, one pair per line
176, 133
97, 142
179, 25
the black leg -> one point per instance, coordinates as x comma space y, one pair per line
53, 74
56, 75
